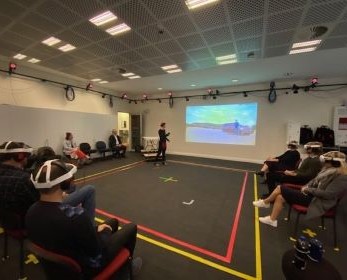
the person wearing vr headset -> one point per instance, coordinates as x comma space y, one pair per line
319, 195
17, 192
287, 161
308, 169
67, 230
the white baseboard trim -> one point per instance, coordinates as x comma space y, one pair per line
218, 157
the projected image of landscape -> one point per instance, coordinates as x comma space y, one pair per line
222, 124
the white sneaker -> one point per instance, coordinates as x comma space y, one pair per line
267, 220
261, 204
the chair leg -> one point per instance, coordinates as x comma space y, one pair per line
336, 248
295, 233
5, 256
289, 212
21, 260
130, 268
322, 226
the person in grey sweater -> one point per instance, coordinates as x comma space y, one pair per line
319, 195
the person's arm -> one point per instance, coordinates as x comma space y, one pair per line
67, 148
26, 194
334, 188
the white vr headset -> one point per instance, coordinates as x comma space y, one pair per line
308, 146
49, 184
324, 158
25, 149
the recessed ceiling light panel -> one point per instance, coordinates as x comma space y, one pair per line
295, 51
67, 48
306, 44
192, 4
51, 41
19, 56
103, 18
34, 60
120, 28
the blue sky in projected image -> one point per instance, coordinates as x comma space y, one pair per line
245, 114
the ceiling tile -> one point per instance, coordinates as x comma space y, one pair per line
149, 51
97, 50
58, 13
118, 59
277, 51
154, 33
241, 10
29, 32
333, 43
190, 42
42, 52
179, 26
250, 28
162, 61
73, 38
90, 32
248, 56
85, 8
165, 8
169, 47
206, 63
9, 46
114, 45
326, 12
11, 9
4, 21
134, 14
276, 6
179, 57
339, 30
132, 56
223, 49
16, 39
210, 17
278, 39
83, 54
217, 35
145, 64
200, 54
132, 39
188, 66
283, 21
37, 21
249, 44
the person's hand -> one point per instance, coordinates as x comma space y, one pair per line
304, 190
104, 226
289, 173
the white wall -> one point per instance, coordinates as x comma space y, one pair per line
314, 109
38, 113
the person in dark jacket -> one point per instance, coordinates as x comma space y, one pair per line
162, 144
67, 230
308, 169
116, 145
286, 161
319, 195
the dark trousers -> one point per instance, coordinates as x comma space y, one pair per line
119, 150
275, 178
161, 151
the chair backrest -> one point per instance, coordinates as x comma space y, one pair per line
11, 220
85, 147
56, 266
100, 145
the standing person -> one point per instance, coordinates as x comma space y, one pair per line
162, 144
116, 145
67, 230
17, 193
70, 149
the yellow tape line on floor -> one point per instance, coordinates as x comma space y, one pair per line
257, 234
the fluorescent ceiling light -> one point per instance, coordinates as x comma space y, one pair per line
160, 88
120, 28
193, 85
19, 56
96, 80
134, 77
302, 50
51, 41
306, 44
34, 60
128, 74
67, 47
174, 71
103, 82
227, 61
192, 4
226, 57
234, 81
169, 67
103, 18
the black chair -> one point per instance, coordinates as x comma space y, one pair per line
87, 149
13, 226
57, 266
101, 148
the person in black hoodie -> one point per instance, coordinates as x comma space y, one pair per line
162, 144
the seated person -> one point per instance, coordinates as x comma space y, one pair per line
308, 169
115, 144
286, 161
17, 193
68, 230
71, 150
320, 194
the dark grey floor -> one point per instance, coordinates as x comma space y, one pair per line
138, 199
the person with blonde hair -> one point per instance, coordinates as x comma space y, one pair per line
319, 195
